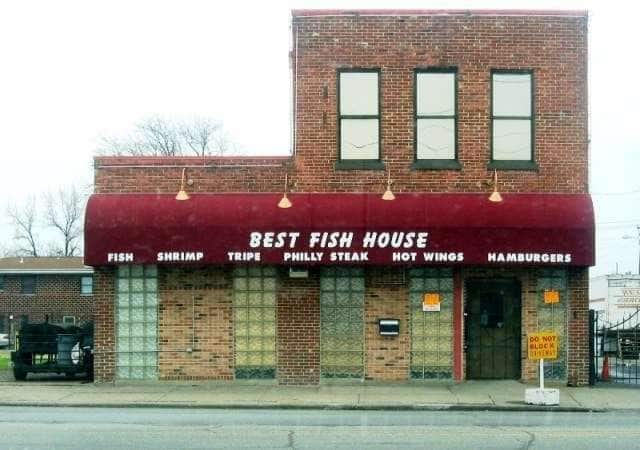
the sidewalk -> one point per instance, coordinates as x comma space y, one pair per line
470, 395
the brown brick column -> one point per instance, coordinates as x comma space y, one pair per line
104, 296
530, 368
578, 329
386, 297
298, 338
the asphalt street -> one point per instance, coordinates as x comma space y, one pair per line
148, 428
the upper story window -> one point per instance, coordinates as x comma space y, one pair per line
28, 285
1, 283
86, 285
435, 120
512, 127
359, 118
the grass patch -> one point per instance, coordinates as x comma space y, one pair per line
4, 361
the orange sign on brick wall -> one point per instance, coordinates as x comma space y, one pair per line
551, 296
431, 302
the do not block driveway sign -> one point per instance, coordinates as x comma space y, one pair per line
543, 345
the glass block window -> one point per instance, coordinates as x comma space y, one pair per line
435, 114
342, 322
86, 285
512, 116
359, 114
553, 317
137, 323
431, 332
254, 309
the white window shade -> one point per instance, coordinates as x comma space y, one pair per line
511, 95
359, 138
435, 95
435, 139
511, 139
358, 93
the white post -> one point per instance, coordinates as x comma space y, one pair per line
541, 374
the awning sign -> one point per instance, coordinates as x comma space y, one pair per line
431, 302
543, 345
339, 229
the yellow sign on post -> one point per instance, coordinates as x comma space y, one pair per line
543, 345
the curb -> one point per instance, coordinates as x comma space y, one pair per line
325, 407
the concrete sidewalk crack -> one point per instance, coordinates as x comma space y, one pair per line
290, 439
574, 399
529, 443
454, 394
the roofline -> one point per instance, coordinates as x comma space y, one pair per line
190, 161
87, 270
438, 12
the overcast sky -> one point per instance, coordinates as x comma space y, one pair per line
72, 71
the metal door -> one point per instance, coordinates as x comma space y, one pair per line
492, 329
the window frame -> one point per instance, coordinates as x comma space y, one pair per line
82, 278
513, 164
362, 164
22, 284
435, 164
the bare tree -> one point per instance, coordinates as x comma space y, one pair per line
5, 251
206, 137
25, 220
159, 136
63, 212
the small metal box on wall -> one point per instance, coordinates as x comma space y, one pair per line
389, 327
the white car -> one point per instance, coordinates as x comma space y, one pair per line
4, 340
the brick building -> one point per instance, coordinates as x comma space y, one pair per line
36, 289
433, 280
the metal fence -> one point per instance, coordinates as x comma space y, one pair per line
615, 349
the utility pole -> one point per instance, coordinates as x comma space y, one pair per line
627, 236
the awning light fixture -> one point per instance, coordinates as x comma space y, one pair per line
388, 195
495, 195
182, 194
284, 201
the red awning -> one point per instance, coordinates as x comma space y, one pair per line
339, 228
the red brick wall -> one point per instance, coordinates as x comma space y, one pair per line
163, 175
578, 327
195, 312
55, 296
554, 47
386, 297
298, 329
104, 293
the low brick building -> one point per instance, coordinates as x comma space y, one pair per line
435, 279
37, 289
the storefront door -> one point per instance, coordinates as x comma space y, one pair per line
492, 329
